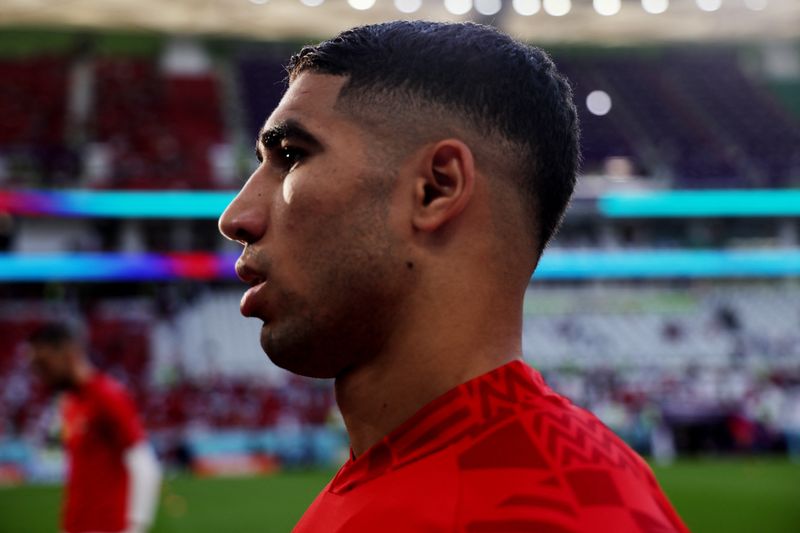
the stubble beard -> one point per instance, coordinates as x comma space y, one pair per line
356, 286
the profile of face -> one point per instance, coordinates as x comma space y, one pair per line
321, 252
52, 364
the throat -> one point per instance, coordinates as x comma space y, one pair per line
377, 399
371, 407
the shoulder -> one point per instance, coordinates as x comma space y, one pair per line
556, 467
108, 394
524, 420
115, 406
102, 384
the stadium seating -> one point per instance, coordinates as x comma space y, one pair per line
261, 84
634, 355
159, 128
638, 355
33, 98
613, 326
692, 116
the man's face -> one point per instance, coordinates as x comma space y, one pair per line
51, 364
315, 221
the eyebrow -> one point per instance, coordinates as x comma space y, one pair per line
288, 130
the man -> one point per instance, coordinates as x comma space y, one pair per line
113, 476
410, 178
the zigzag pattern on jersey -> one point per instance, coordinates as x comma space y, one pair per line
510, 389
578, 439
467, 411
470, 410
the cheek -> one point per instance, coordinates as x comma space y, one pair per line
306, 207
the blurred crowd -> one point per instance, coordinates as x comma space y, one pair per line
694, 409
203, 399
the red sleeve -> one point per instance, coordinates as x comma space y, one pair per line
119, 410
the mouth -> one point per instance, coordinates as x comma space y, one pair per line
252, 273
248, 304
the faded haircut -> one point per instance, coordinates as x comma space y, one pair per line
471, 77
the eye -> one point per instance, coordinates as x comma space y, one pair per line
286, 157
290, 156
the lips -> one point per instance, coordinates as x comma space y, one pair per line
254, 274
249, 303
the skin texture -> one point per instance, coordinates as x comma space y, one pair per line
386, 279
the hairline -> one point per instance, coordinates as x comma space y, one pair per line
360, 105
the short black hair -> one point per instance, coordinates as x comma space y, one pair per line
499, 86
57, 334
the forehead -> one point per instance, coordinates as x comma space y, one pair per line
311, 101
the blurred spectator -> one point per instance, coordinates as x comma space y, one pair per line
113, 478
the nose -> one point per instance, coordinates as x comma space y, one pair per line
245, 218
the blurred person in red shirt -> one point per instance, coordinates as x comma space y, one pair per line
409, 181
113, 477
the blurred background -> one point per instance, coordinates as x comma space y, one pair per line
669, 304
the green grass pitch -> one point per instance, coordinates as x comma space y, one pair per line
724, 495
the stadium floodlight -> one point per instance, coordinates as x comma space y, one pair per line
756, 5
458, 7
655, 7
607, 7
407, 6
598, 103
526, 8
557, 8
488, 7
361, 5
709, 5
312, 3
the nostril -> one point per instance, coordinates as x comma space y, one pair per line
243, 236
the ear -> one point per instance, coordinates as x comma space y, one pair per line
444, 184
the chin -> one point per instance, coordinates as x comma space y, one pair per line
302, 365
300, 358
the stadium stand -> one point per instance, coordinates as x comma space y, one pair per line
261, 86
664, 327
32, 131
674, 361
671, 116
159, 128
149, 127
681, 366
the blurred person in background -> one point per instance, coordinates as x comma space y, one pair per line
409, 180
113, 477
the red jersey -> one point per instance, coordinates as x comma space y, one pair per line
500, 453
100, 423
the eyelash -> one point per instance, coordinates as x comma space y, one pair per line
285, 157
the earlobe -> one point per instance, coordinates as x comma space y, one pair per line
444, 185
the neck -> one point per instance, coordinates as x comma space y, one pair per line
429, 353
